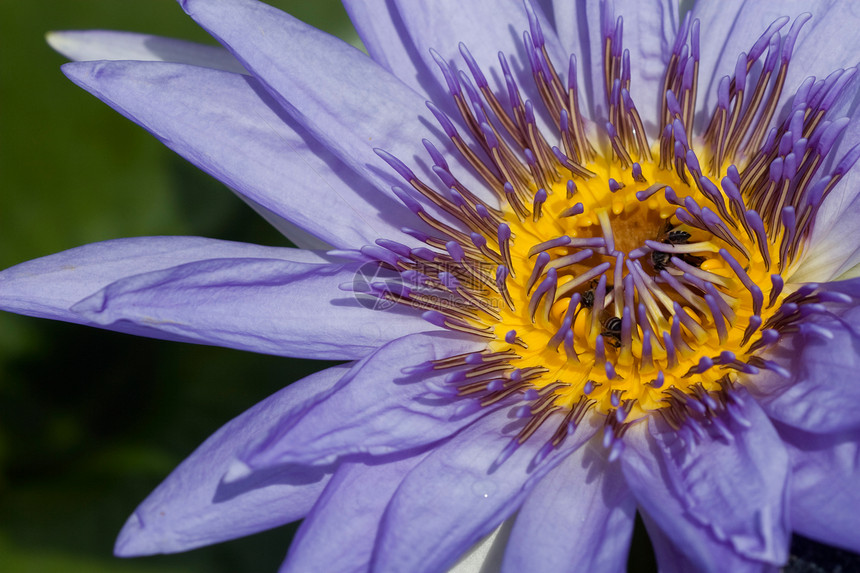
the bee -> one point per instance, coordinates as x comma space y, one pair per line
660, 260
673, 236
587, 300
612, 331
676, 237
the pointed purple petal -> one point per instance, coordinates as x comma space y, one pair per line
379, 410
486, 27
343, 98
827, 42
83, 45
670, 558
574, 25
825, 499
834, 247
261, 305
461, 494
49, 286
383, 33
578, 518
228, 126
192, 507
349, 511
822, 393
712, 496
649, 34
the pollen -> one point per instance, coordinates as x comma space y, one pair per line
630, 295
608, 272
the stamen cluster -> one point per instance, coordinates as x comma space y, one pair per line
620, 278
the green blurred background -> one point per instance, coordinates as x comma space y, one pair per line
91, 421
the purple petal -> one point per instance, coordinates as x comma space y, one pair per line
383, 33
714, 498
81, 45
348, 511
574, 29
192, 507
832, 253
379, 410
228, 126
578, 518
728, 28
649, 34
461, 494
822, 394
671, 559
486, 27
49, 286
342, 97
825, 499
298, 236
827, 42
262, 305
834, 247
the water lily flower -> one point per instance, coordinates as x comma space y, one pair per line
583, 260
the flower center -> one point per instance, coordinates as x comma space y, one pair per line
616, 293
623, 278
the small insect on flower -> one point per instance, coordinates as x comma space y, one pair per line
672, 235
660, 260
587, 297
676, 237
612, 331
